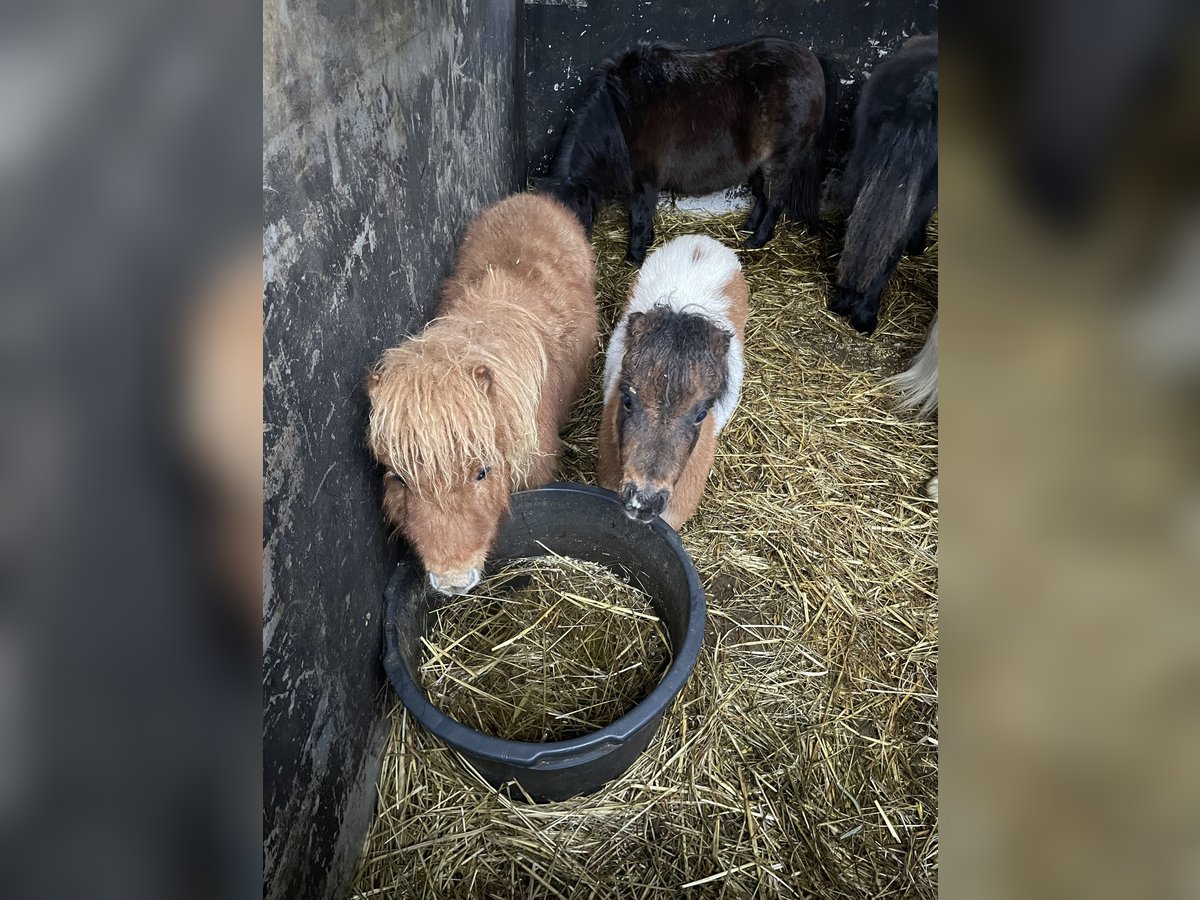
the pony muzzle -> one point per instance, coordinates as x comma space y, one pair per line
454, 583
644, 503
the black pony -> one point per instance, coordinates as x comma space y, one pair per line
691, 122
891, 178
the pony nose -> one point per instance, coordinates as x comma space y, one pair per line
644, 503
453, 583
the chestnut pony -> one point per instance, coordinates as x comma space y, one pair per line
469, 410
672, 377
663, 117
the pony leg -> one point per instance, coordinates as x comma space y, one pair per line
765, 229
689, 488
758, 190
914, 244
775, 177
862, 310
862, 306
641, 221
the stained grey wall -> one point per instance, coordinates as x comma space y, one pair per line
565, 39
386, 126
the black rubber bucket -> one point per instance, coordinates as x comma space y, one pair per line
585, 523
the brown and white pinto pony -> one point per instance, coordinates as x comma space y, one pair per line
469, 410
672, 378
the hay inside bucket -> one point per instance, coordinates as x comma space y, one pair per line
545, 649
801, 756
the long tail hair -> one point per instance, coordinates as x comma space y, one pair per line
918, 384
884, 181
804, 199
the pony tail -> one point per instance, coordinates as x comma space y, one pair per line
804, 204
918, 384
890, 168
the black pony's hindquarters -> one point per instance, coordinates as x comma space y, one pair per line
861, 309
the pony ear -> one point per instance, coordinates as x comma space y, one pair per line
483, 378
634, 319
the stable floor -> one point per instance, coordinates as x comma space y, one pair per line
801, 758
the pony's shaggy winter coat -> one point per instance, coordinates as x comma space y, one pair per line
469, 410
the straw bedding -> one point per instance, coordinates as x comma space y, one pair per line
545, 650
801, 757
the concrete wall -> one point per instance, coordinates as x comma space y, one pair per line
564, 39
386, 126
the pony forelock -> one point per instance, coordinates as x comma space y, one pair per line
437, 420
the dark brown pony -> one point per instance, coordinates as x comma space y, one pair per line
662, 117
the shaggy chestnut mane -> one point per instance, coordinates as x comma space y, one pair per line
462, 394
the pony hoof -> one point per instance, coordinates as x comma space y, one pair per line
864, 324
755, 241
840, 302
635, 259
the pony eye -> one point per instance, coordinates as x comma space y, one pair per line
700, 416
626, 399
482, 473
396, 478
